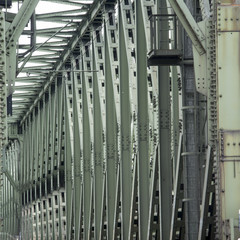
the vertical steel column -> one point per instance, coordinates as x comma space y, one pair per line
175, 117
143, 127
30, 174
165, 173
165, 165
191, 160
53, 133
100, 86
78, 158
57, 152
17, 180
21, 192
125, 161
87, 151
24, 176
34, 159
50, 187
99, 135
40, 163
26, 168
111, 136
190, 140
68, 159
45, 157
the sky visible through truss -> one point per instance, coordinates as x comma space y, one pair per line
56, 22
44, 7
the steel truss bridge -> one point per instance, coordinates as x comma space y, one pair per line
120, 119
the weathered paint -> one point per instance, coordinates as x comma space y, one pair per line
228, 105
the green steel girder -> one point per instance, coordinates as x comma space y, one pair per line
227, 115
68, 155
111, 134
78, 153
64, 18
143, 122
125, 123
100, 129
99, 145
165, 164
20, 21
50, 121
61, 13
93, 11
48, 44
87, 147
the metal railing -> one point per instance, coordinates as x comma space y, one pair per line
164, 32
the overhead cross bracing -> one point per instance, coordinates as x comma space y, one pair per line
119, 119
41, 46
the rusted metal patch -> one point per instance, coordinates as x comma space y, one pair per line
230, 2
230, 144
229, 18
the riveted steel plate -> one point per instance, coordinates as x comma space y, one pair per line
229, 18
230, 144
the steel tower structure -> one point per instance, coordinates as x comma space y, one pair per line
120, 119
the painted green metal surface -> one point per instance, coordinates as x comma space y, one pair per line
228, 125
92, 149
